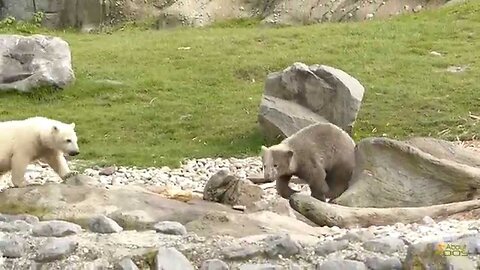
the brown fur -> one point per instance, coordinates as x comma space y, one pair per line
321, 154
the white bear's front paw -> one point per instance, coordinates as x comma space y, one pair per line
70, 174
20, 185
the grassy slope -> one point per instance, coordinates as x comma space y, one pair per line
203, 101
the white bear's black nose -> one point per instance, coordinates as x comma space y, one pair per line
74, 153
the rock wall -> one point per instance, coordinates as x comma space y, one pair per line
172, 13
85, 14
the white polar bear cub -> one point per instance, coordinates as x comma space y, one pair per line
37, 138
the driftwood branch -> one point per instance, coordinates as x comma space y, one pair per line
327, 214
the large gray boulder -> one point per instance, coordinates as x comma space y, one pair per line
27, 63
302, 95
420, 171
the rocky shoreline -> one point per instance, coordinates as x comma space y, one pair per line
102, 243
27, 243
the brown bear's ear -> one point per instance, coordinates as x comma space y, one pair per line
72, 125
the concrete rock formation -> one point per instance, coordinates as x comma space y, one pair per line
301, 95
83, 14
89, 14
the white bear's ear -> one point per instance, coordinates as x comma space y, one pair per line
55, 129
72, 125
264, 148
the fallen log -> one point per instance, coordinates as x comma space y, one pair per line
328, 214
259, 179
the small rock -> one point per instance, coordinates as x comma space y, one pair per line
55, 228
471, 242
126, 264
15, 226
24, 217
252, 266
369, 16
107, 171
214, 264
81, 180
281, 245
98, 264
434, 53
456, 69
55, 249
239, 207
170, 227
385, 245
137, 218
226, 188
331, 246
417, 8
171, 259
377, 263
433, 252
293, 266
359, 236
104, 224
242, 253
12, 247
428, 220
337, 264
459, 262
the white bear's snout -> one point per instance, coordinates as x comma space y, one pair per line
73, 153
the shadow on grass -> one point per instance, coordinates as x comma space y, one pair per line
40, 94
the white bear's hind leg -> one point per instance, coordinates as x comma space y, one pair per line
19, 167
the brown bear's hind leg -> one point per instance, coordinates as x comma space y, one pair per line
337, 181
318, 186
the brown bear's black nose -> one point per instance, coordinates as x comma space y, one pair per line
74, 153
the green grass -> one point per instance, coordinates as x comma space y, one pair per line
203, 102
20, 208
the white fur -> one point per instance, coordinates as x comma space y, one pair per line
38, 138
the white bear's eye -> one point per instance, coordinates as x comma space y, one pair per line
68, 141
275, 165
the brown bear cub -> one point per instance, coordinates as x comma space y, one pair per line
322, 154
